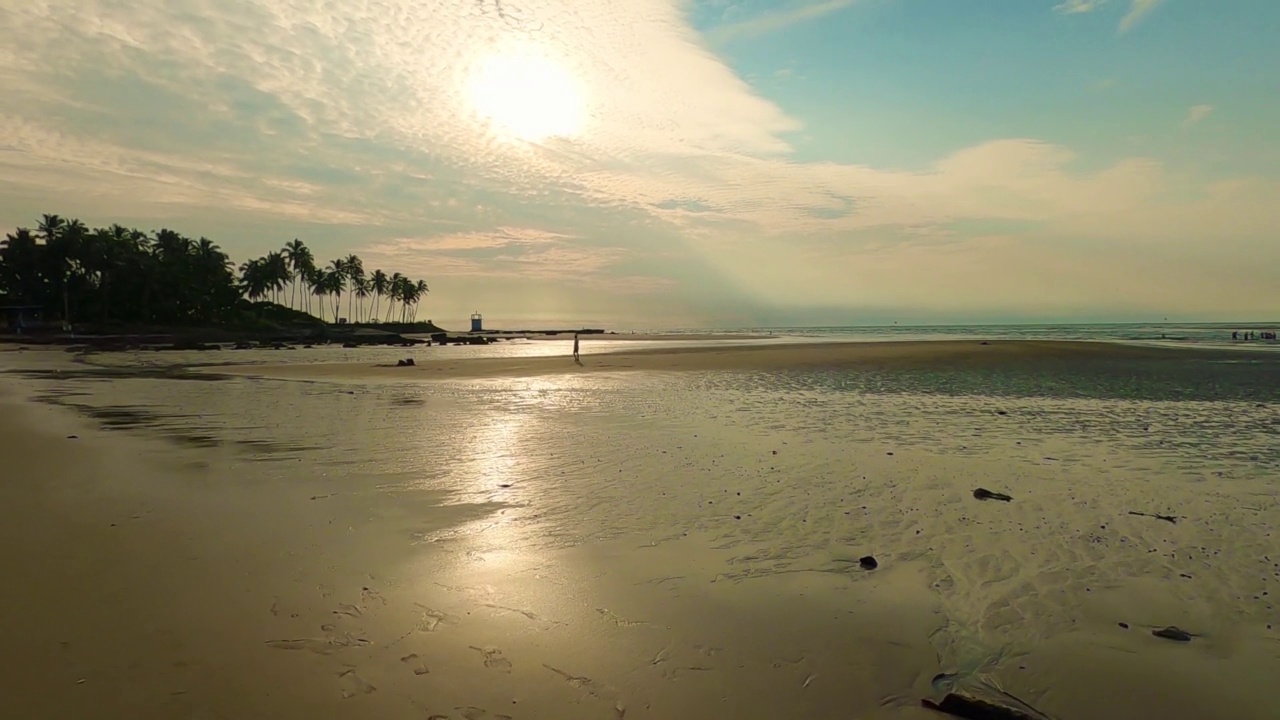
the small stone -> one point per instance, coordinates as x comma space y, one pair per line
1172, 633
73, 437
1124, 625
868, 563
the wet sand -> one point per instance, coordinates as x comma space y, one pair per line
544, 560
765, 356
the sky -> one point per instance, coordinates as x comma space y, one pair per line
639, 164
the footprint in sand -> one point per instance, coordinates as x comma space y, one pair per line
348, 610
432, 619
493, 658
475, 713
369, 596
320, 646
415, 662
351, 684
581, 682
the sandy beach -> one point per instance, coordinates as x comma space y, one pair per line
565, 542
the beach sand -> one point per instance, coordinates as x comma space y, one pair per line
541, 561
750, 357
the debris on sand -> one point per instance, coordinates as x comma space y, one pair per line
1173, 633
985, 494
1157, 516
407, 362
868, 563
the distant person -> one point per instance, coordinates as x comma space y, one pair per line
1235, 334
575, 349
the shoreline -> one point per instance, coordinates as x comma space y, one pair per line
719, 358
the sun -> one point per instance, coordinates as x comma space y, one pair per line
527, 96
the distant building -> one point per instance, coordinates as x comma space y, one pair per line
477, 322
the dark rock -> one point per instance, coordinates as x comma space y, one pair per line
407, 362
73, 437
985, 494
973, 709
350, 345
984, 342
243, 345
868, 563
1124, 625
1172, 633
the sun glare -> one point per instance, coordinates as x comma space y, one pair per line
528, 97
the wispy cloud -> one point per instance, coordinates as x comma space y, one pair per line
775, 20
1075, 7
1137, 11
1197, 114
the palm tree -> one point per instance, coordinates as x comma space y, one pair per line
299, 257
334, 281
378, 283
121, 274
278, 273
20, 266
353, 268
362, 291
54, 265
318, 279
419, 289
253, 279
394, 285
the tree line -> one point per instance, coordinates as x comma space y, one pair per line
120, 274
292, 273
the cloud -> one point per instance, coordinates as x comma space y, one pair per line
511, 252
1197, 114
1137, 11
353, 122
774, 20
1075, 7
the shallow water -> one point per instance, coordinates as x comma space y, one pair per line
775, 474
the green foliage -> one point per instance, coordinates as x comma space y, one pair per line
119, 275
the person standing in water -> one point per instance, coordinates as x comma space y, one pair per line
575, 348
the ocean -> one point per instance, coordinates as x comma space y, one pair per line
1190, 334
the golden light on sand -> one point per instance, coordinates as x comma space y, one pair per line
528, 96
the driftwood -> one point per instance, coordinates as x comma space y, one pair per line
1158, 516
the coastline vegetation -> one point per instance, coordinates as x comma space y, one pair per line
120, 276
